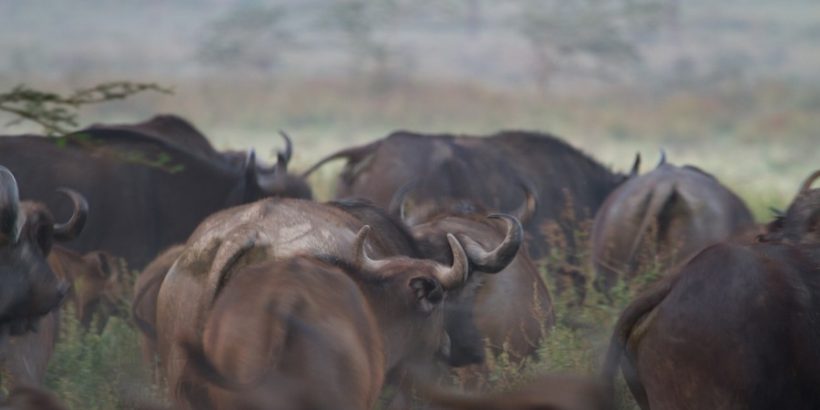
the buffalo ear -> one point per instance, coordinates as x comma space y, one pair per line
426, 292
41, 230
101, 262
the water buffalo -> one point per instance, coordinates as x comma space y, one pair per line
336, 326
178, 132
505, 300
486, 171
662, 217
147, 194
95, 286
30, 288
394, 239
98, 282
734, 327
272, 230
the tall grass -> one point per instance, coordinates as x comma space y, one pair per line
99, 371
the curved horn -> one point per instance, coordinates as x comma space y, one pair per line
397, 203
636, 166
283, 157
453, 276
525, 212
69, 230
808, 182
250, 162
10, 221
497, 259
251, 173
362, 261
663, 158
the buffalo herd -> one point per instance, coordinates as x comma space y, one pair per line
432, 260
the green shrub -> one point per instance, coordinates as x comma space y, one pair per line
102, 371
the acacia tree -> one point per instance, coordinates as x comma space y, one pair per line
57, 114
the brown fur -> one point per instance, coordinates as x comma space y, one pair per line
511, 308
734, 329
664, 216
97, 283
481, 170
276, 229
144, 306
300, 320
24, 358
147, 193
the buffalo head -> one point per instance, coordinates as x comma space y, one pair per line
276, 181
479, 233
28, 286
410, 294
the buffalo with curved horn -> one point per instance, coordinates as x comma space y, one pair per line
372, 249
149, 184
498, 269
31, 287
279, 180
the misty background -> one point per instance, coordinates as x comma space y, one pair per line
731, 86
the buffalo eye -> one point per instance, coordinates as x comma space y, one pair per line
427, 292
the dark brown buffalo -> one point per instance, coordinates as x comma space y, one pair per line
177, 131
95, 286
275, 229
29, 287
146, 194
662, 218
734, 327
30, 290
484, 309
144, 305
484, 171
